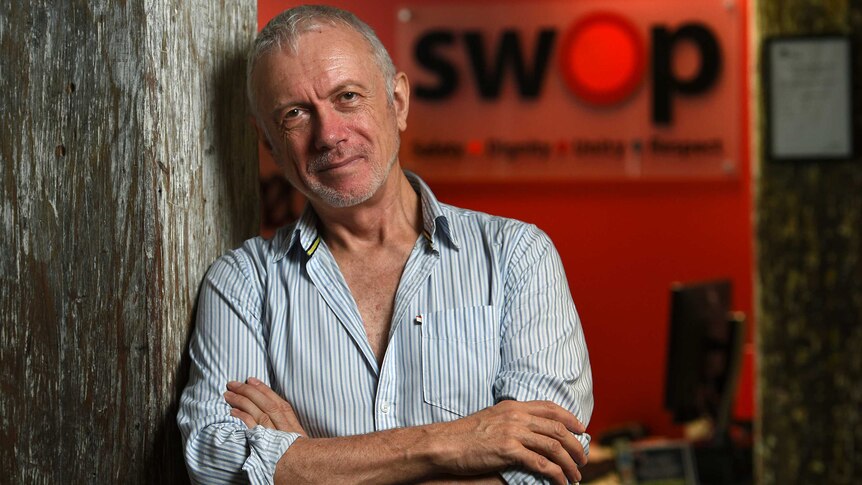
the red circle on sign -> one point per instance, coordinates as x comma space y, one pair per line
602, 58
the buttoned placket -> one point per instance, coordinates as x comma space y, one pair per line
417, 270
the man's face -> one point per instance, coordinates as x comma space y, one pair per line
325, 116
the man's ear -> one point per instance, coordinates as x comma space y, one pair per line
401, 99
262, 139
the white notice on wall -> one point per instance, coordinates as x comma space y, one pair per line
810, 98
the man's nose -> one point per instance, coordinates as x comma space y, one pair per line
331, 129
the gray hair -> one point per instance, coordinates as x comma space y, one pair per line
286, 28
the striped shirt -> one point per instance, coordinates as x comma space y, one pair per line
482, 313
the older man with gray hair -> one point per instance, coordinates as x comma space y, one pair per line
384, 337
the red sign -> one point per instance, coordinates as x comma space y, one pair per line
606, 89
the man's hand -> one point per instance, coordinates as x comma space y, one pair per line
535, 435
256, 404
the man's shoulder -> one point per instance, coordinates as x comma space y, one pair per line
470, 223
512, 247
458, 220
255, 254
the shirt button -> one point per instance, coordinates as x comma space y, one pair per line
384, 407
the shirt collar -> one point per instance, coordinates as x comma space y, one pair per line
306, 235
433, 217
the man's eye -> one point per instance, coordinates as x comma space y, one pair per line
349, 96
292, 117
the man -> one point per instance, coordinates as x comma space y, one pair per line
384, 337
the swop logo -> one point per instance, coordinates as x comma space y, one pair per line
602, 60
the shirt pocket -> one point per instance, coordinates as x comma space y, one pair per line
460, 358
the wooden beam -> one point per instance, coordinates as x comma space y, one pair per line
126, 167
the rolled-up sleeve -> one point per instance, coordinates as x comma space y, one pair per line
229, 343
543, 350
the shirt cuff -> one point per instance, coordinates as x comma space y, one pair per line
265, 447
515, 476
585, 439
518, 476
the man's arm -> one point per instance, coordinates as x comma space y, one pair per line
218, 447
536, 436
543, 350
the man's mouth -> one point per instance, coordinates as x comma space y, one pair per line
329, 165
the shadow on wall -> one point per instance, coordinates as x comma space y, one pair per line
165, 462
234, 134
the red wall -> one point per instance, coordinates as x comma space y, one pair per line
622, 244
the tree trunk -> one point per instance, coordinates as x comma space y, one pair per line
127, 167
809, 285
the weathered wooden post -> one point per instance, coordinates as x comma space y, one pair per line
809, 284
126, 167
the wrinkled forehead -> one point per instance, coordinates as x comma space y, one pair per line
320, 60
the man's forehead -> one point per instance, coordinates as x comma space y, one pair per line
322, 58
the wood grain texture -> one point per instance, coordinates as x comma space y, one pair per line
809, 286
126, 166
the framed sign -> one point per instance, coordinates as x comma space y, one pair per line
808, 83
593, 89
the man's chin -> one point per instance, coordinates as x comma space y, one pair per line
342, 197
341, 192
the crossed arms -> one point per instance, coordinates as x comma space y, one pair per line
252, 433
535, 435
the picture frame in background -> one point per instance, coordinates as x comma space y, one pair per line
809, 98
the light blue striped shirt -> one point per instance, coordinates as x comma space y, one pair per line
483, 313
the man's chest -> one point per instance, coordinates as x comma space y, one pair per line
442, 344
441, 358
373, 285
438, 366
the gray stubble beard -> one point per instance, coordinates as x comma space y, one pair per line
335, 198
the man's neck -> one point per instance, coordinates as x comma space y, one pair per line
391, 217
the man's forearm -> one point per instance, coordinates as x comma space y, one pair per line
392, 456
531, 436
535, 436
